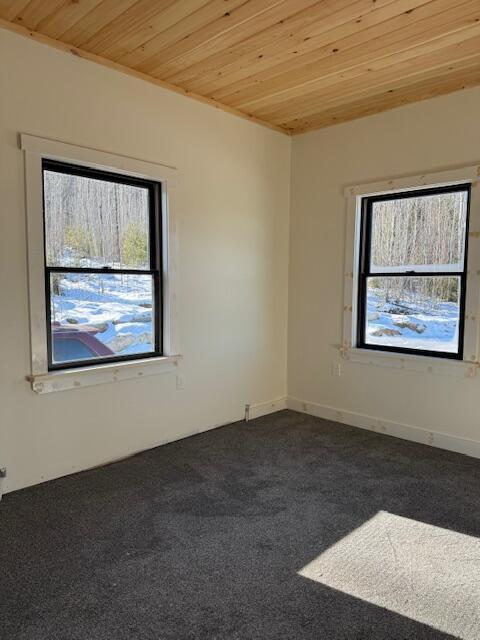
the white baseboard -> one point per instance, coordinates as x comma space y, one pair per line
264, 408
397, 429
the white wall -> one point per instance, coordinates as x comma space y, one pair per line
422, 137
232, 211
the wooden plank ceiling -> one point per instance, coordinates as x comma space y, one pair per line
294, 65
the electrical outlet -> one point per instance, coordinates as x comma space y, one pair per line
180, 383
335, 369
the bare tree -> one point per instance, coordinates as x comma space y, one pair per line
89, 219
414, 233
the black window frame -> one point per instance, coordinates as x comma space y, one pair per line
155, 271
364, 271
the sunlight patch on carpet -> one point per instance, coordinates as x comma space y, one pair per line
423, 572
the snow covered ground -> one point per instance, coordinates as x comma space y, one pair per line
120, 306
412, 325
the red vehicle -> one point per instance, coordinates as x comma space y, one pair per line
77, 342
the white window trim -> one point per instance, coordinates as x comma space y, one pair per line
42, 380
469, 366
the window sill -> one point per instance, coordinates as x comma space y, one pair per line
422, 364
75, 378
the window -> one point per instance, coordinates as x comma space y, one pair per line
412, 275
102, 266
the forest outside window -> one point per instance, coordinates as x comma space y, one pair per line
412, 271
102, 266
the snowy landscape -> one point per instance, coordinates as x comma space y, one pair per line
412, 324
118, 306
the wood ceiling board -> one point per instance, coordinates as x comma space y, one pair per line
299, 47
36, 11
210, 38
95, 20
380, 103
383, 83
200, 45
68, 15
179, 18
136, 18
9, 9
424, 56
341, 53
308, 67
199, 28
367, 73
177, 22
251, 54
290, 65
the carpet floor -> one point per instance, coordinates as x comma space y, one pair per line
286, 527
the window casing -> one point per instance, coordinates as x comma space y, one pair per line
350, 350
166, 355
152, 270
411, 274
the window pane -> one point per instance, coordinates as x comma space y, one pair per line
414, 313
101, 315
95, 223
425, 233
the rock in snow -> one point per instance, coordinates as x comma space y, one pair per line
406, 323
385, 331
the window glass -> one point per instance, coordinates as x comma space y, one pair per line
110, 314
425, 233
414, 313
95, 223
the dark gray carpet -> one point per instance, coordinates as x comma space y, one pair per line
216, 537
